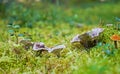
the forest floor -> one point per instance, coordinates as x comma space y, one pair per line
55, 26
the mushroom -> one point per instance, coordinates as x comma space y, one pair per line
88, 39
39, 46
75, 39
115, 38
56, 48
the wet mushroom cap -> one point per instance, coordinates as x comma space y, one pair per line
115, 37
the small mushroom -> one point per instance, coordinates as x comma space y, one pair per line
115, 38
56, 48
87, 39
39, 46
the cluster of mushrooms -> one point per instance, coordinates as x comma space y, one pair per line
87, 40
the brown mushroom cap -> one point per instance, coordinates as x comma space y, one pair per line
115, 37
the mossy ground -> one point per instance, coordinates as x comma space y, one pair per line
101, 59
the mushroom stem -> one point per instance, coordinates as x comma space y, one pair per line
115, 43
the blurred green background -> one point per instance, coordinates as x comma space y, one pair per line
30, 12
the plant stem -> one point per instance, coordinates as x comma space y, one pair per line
115, 43
16, 38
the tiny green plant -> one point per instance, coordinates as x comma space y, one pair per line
14, 31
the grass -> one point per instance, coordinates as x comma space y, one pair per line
16, 60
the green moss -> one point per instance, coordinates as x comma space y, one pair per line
59, 27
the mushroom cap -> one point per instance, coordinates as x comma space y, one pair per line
75, 39
58, 47
95, 32
115, 37
39, 46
